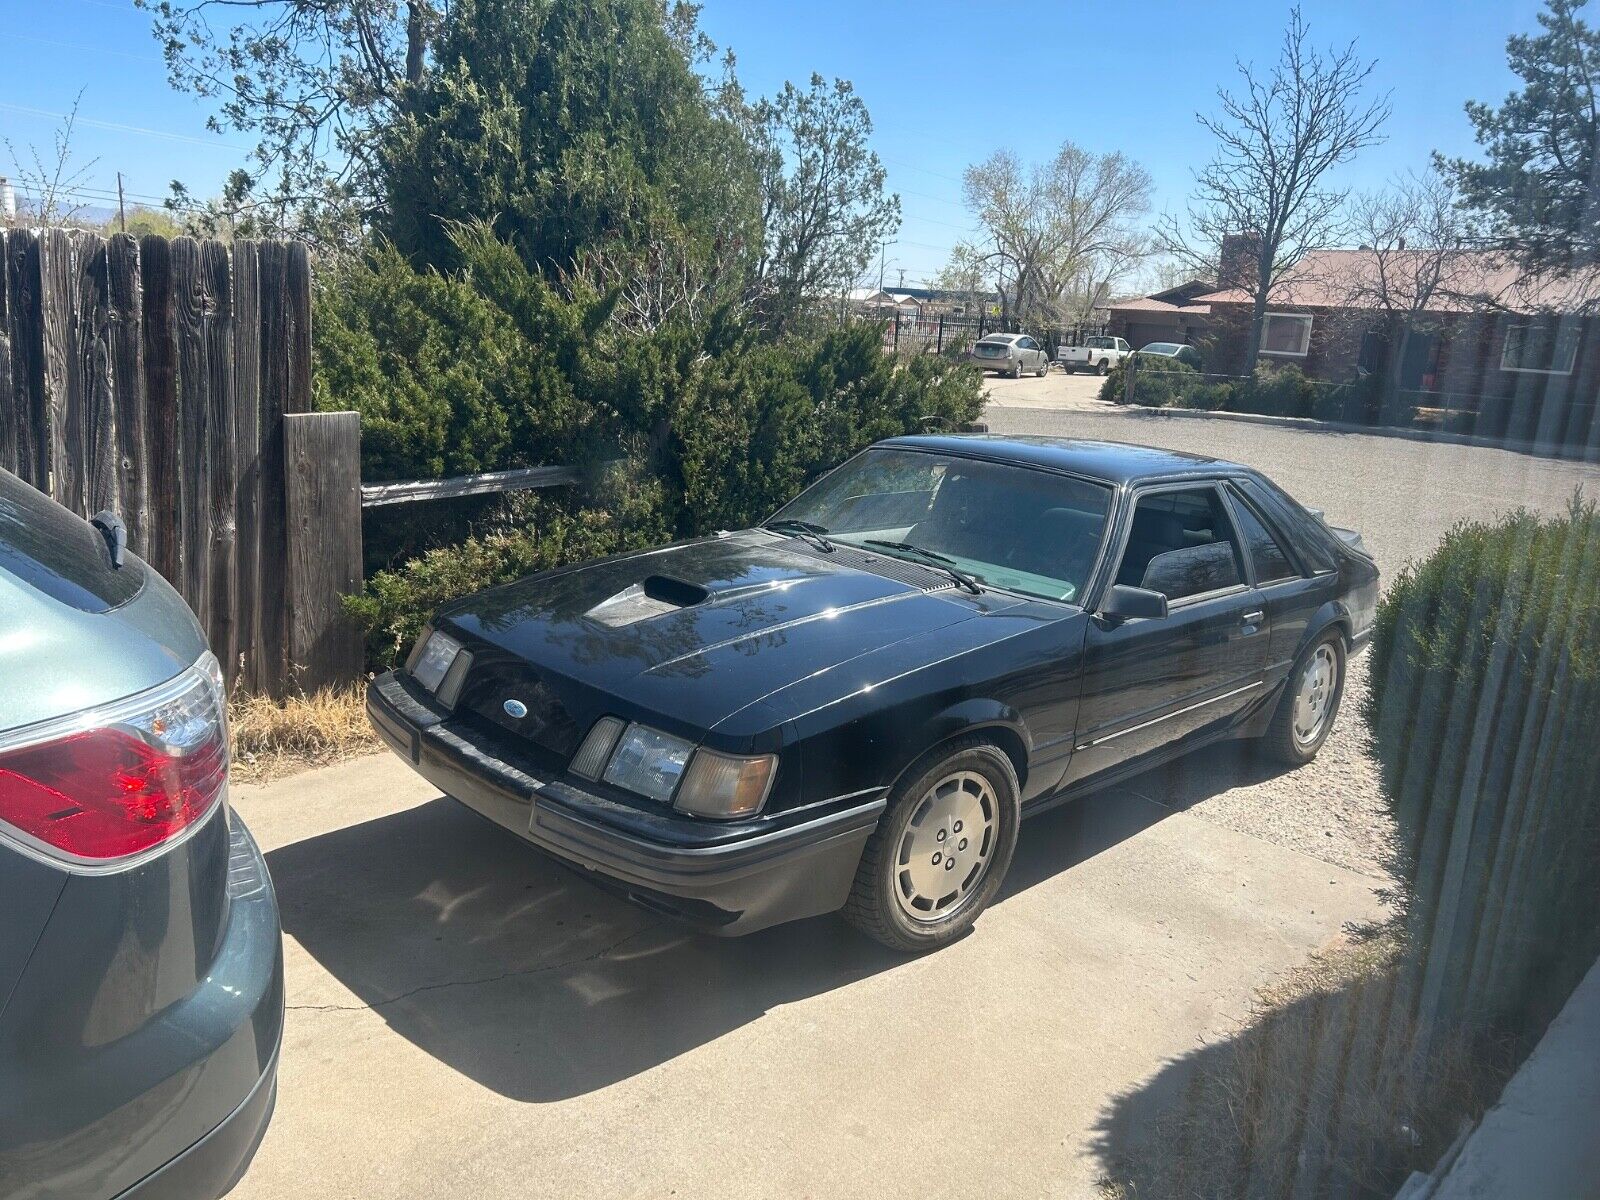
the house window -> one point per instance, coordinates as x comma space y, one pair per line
1542, 349
1288, 334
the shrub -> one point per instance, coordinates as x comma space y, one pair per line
1275, 391
1485, 698
1157, 382
536, 533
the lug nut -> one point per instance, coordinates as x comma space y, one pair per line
962, 845
937, 858
958, 826
940, 835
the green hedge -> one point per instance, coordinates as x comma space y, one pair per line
491, 367
1484, 708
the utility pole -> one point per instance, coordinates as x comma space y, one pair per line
882, 248
122, 212
902, 279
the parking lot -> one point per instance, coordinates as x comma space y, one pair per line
467, 1019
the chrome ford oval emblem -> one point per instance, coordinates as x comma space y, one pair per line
515, 709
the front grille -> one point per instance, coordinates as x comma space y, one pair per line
926, 579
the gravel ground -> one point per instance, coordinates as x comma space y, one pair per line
1402, 495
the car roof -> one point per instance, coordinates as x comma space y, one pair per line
1161, 347
1001, 337
1113, 462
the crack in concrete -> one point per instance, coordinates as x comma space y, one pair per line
455, 983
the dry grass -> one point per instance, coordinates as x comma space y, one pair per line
1319, 1092
273, 738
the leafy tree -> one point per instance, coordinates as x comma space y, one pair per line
316, 82
1278, 138
824, 211
1536, 188
571, 126
1053, 230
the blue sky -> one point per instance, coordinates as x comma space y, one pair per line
947, 83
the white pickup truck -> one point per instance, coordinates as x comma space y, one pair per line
1097, 354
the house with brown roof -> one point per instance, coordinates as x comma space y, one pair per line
1473, 333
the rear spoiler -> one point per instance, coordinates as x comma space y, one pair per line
1348, 536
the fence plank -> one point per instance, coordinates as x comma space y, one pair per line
27, 454
164, 542
194, 410
57, 287
128, 388
216, 286
297, 337
92, 408
376, 494
245, 648
270, 597
322, 452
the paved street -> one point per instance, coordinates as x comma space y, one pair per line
466, 1019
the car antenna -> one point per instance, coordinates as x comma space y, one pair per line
114, 532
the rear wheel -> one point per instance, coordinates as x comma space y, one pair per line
1103, 368
1309, 703
941, 851
1016, 371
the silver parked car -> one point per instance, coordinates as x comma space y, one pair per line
1010, 354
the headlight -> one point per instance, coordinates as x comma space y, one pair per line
432, 658
723, 785
648, 762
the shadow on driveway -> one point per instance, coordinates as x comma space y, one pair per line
515, 971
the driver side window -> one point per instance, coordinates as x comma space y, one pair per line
1182, 544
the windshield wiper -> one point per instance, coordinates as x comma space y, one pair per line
942, 561
806, 531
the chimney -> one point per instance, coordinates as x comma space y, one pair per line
1237, 261
8, 200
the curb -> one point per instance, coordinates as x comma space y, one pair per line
1310, 424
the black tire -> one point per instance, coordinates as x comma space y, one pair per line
875, 906
1102, 368
1044, 368
1016, 371
1282, 743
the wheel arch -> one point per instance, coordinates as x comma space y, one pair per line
989, 719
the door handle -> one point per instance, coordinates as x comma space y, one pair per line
1253, 618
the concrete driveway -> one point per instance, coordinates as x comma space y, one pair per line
468, 1019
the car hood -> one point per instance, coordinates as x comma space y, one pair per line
692, 633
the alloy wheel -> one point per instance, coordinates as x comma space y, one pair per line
945, 849
1313, 701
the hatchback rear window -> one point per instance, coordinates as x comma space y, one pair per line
61, 555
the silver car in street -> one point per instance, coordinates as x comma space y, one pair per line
1010, 354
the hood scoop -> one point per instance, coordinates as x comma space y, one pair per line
654, 596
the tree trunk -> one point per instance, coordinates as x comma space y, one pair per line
415, 37
1258, 322
1399, 342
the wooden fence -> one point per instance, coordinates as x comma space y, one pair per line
153, 377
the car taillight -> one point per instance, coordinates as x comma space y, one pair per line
113, 782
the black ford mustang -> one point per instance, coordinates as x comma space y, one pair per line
854, 705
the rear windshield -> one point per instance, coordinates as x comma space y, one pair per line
1162, 348
61, 555
1098, 343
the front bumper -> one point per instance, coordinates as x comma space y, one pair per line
723, 879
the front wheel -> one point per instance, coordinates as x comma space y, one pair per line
941, 851
1309, 703
1044, 367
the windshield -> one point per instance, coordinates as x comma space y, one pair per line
1011, 527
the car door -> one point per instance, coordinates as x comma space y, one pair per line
1028, 354
1150, 683
1290, 590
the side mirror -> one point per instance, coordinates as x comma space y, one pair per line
1123, 603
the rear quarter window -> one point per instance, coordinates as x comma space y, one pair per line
59, 554
1313, 539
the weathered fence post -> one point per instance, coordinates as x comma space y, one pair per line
1127, 378
322, 501
897, 331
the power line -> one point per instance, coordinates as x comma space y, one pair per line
23, 37
118, 128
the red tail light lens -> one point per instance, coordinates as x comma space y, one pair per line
117, 781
